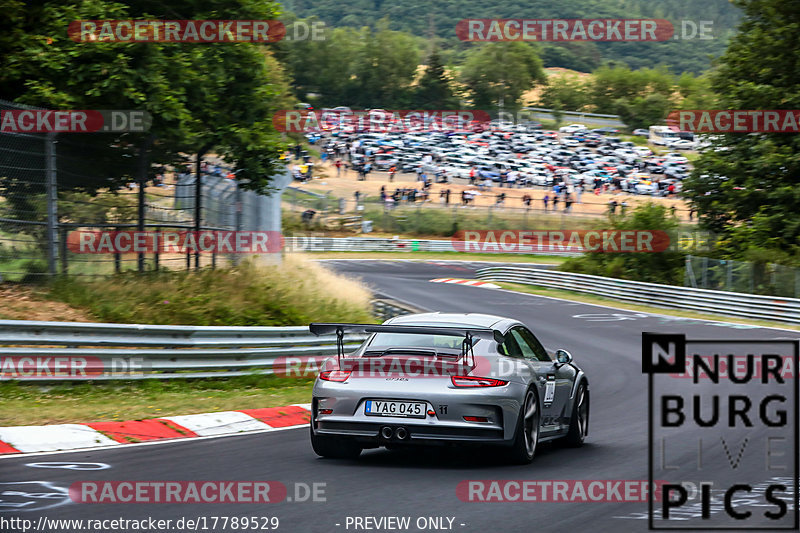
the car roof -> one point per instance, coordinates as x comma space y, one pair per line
463, 319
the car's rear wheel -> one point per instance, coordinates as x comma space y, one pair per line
334, 447
579, 423
527, 435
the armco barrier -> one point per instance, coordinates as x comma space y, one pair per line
134, 351
161, 352
312, 243
786, 310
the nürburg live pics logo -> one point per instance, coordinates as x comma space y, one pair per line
722, 432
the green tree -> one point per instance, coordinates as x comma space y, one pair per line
750, 190
433, 90
643, 111
564, 92
501, 71
219, 96
614, 83
385, 68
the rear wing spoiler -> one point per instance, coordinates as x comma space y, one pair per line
469, 333
329, 328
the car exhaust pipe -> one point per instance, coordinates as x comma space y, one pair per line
386, 432
401, 433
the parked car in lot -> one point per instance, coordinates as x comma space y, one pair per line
682, 144
639, 132
572, 128
541, 158
385, 161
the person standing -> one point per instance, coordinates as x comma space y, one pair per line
338, 165
546, 200
391, 173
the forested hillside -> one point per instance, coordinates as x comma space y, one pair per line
420, 17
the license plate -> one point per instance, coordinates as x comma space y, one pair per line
392, 408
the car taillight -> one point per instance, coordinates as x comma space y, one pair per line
335, 375
470, 381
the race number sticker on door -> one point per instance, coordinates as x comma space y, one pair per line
549, 389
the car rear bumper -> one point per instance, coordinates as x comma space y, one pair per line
448, 411
372, 433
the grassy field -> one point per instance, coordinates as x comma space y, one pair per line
134, 400
294, 293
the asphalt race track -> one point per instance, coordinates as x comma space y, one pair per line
605, 342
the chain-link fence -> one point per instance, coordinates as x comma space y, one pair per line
26, 164
741, 276
56, 188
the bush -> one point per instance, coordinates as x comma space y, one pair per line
294, 293
655, 267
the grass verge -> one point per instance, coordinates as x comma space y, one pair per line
294, 293
35, 404
599, 300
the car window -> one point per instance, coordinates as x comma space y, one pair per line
510, 347
533, 343
525, 348
416, 339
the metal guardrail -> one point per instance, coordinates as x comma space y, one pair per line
786, 310
93, 351
386, 308
596, 118
312, 243
74, 351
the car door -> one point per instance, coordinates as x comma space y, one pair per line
556, 378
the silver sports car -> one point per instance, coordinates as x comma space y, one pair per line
438, 378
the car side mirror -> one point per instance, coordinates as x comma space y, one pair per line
563, 357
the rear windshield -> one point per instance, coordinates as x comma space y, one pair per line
388, 340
